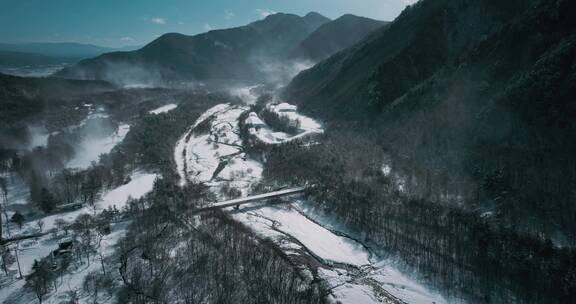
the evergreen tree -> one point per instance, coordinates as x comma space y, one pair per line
18, 219
47, 201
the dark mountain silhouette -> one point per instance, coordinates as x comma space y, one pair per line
335, 36
247, 53
473, 98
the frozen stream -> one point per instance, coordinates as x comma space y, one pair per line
212, 152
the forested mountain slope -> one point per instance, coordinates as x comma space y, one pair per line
473, 99
335, 36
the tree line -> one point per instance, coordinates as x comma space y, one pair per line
457, 249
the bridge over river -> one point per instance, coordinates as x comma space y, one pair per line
253, 198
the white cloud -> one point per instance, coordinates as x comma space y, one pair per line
229, 15
180, 22
208, 27
127, 39
158, 20
265, 12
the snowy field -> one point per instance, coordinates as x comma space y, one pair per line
29, 250
92, 147
306, 123
319, 241
216, 154
211, 151
263, 133
164, 109
355, 275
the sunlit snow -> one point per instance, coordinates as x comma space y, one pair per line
164, 109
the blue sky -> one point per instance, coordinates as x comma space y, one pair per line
136, 22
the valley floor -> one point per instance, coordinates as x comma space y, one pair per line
213, 152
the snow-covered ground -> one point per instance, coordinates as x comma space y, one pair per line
216, 153
305, 123
140, 184
71, 281
29, 250
353, 273
164, 109
92, 147
277, 222
213, 144
263, 133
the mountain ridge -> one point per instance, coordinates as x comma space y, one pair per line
235, 53
328, 39
269, 50
486, 109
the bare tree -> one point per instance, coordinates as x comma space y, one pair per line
7, 258
62, 224
18, 218
18, 259
4, 189
40, 224
40, 279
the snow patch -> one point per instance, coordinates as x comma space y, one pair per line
139, 185
320, 241
90, 148
216, 154
164, 109
402, 287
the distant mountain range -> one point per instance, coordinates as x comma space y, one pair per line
19, 59
14, 57
62, 50
265, 51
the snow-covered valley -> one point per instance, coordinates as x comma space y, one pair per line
214, 152
224, 150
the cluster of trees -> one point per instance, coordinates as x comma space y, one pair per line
171, 255
150, 143
457, 249
86, 233
280, 122
71, 186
